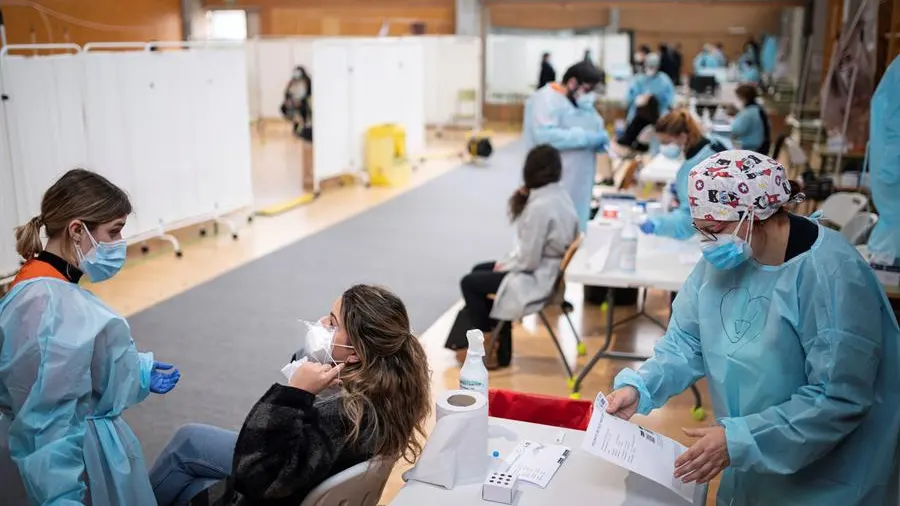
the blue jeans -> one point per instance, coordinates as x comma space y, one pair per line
196, 457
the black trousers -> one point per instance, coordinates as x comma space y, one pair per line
475, 287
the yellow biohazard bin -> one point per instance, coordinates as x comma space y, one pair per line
386, 161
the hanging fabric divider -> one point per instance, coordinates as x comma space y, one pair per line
43, 132
169, 127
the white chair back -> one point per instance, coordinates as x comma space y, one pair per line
361, 485
840, 208
858, 228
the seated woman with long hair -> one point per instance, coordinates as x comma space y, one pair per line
371, 403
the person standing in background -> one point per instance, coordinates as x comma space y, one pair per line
548, 73
667, 64
564, 115
651, 82
677, 62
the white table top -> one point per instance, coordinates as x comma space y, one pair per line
660, 169
582, 479
662, 264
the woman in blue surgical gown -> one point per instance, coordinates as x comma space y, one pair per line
799, 344
884, 160
68, 365
680, 136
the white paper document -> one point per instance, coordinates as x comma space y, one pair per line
536, 463
635, 448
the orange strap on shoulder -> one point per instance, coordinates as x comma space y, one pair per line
559, 88
35, 268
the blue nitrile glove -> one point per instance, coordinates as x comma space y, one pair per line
648, 227
163, 382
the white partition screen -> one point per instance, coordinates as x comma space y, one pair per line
452, 66
360, 83
171, 127
270, 63
44, 123
9, 218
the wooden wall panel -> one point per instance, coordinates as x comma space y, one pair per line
82, 21
348, 17
696, 24
549, 16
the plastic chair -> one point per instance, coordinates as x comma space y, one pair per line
361, 485
840, 208
858, 228
555, 297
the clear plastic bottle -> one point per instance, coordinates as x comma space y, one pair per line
628, 245
474, 375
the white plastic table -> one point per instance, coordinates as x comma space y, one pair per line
662, 263
582, 479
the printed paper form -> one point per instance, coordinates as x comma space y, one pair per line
635, 448
536, 463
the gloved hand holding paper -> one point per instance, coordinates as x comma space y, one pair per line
636, 449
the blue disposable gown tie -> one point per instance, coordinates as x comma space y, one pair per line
803, 366
68, 369
678, 224
577, 132
884, 161
659, 85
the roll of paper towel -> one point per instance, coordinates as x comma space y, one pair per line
456, 452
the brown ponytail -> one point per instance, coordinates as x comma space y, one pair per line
542, 167
78, 195
680, 122
28, 238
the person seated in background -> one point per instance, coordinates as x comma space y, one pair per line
749, 63
751, 123
680, 135
707, 59
363, 392
651, 82
296, 107
719, 53
640, 130
546, 224
548, 73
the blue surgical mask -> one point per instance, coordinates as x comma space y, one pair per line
104, 260
587, 100
730, 251
672, 151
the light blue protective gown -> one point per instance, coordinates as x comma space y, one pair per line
769, 54
707, 61
577, 132
884, 162
803, 366
748, 128
749, 73
659, 85
68, 369
678, 224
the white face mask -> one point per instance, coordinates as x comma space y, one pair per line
317, 344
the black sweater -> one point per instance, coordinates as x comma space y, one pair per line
290, 442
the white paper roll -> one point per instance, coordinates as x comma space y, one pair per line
456, 452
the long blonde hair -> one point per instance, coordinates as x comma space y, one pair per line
78, 195
389, 388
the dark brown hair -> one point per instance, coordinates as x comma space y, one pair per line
389, 389
542, 167
78, 195
748, 93
680, 122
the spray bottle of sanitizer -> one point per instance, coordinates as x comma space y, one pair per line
474, 375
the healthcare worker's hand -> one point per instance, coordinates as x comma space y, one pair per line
648, 227
163, 377
623, 402
706, 458
314, 378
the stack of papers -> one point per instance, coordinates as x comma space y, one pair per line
635, 448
